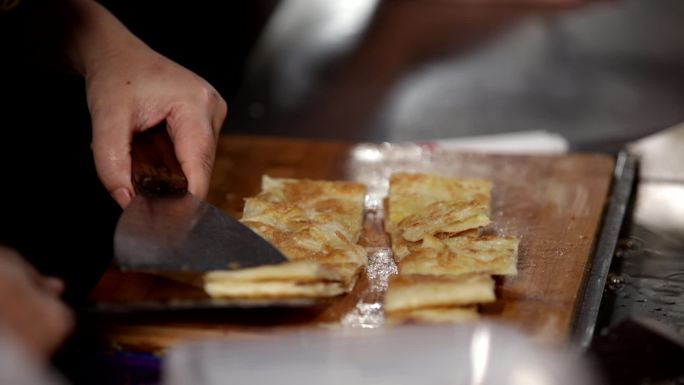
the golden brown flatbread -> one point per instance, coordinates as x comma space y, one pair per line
435, 221
427, 204
409, 292
460, 255
445, 262
316, 224
273, 289
437, 315
291, 204
302, 271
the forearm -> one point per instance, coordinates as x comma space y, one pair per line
96, 35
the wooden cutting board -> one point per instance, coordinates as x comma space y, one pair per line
554, 204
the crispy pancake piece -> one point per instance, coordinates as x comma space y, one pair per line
436, 315
410, 292
445, 262
296, 271
290, 203
299, 271
273, 289
444, 217
312, 220
321, 242
421, 204
316, 224
459, 255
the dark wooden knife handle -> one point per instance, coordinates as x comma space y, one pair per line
155, 168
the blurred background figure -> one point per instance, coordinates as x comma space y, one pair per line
600, 73
33, 321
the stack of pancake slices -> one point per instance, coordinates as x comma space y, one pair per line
444, 248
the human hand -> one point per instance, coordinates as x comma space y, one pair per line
30, 305
132, 89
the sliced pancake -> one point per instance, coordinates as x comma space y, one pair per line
459, 255
321, 242
273, 289
436, 315
427, 204
444, 217
409, 292
290, 203
295, 271
316, 224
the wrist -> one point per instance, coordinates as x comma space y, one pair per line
98, 38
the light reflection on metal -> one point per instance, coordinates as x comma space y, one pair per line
660, 207
479, 355
299, 35
661, 156
659, 204
367, 153
529, 375
343, 18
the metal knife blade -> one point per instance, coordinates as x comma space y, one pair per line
167, 229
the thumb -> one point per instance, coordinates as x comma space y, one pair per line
195, 144
112, 152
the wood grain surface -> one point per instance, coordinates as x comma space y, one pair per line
554, 204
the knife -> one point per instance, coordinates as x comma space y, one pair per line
166, 229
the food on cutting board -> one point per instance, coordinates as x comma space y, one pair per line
410, 292
445, 260
316, 224
435, 315
421, 204
465, 253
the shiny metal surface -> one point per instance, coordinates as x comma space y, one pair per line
648, 273
640, 351
174, 234
647, 278
590, 302
646, 282
661, 156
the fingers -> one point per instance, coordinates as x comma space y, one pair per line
53, 286
12, 259
194, 140
219, 115
194, 131
30, 307
44, 322
123, 102
112, 135
58, 324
